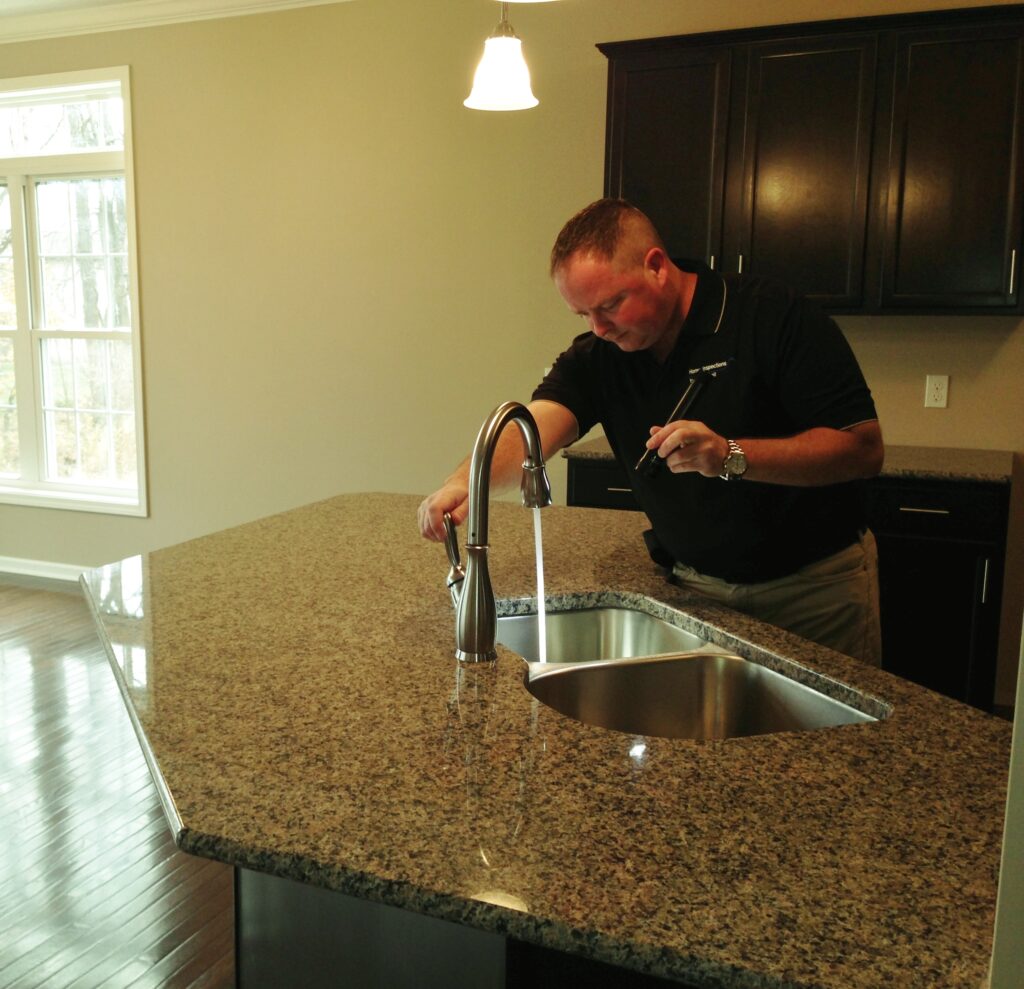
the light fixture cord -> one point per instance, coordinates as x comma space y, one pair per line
504, 28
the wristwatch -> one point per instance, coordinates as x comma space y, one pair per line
735, 464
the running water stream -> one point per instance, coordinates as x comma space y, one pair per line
542, 632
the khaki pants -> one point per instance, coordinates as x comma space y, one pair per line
833, 601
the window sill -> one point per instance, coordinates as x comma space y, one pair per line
76, 501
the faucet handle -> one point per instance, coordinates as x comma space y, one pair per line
451, 541
451, 544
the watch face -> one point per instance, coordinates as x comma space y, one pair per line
736, 463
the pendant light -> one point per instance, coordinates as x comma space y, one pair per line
502, 79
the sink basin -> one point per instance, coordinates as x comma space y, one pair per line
621, 668
700, 695
594, 634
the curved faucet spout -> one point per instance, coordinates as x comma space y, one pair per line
476, 621
536, 489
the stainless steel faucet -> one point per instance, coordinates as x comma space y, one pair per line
475, 617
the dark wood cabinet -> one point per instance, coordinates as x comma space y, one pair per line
941, 547
668, 119
873, 163
941, 551
802, 207
952, 225
599, 484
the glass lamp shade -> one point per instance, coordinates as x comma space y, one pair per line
502, 80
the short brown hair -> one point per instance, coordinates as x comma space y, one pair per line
598, 229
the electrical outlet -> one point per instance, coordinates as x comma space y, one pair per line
936, 391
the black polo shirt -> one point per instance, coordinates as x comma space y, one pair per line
787, 368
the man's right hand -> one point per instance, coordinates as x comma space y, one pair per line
452, 498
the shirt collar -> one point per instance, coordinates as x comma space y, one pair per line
706, 305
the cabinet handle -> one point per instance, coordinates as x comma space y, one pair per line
619, 490
739, 265
1013, 270
926, 511
711, 262
984, 583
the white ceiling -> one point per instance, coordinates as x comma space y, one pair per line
24, 20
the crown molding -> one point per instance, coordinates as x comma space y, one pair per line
119, 16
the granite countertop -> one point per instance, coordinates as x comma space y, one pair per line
293, 684
930, 463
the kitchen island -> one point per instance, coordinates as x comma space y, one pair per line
294, 688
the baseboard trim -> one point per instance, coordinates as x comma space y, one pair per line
68, 572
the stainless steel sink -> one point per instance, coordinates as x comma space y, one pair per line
594, 634
619, 667
699, 695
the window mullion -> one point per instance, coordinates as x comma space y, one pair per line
29, 425
108, 410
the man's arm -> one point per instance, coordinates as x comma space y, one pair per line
812, 458
558, 428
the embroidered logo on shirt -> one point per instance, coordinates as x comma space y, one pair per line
711, 369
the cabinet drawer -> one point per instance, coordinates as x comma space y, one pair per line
599, 484
951, 510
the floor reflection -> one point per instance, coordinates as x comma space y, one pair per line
92, 891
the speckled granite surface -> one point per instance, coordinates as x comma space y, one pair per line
294, 682
918, 462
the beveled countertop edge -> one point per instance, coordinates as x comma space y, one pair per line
170, 809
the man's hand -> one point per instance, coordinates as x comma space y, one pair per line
686, 445
815, 457
453, 497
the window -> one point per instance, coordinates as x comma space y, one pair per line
71, 431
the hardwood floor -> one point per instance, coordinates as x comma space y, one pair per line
92, 890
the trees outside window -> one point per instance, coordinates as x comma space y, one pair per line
70, 380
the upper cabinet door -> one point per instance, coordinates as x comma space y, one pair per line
666, 142
952, 220
808, 122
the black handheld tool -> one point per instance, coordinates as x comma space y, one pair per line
650, 463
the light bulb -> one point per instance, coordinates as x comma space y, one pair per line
502, 79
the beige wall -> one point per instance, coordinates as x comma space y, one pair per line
343, 270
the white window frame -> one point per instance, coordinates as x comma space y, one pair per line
18, 174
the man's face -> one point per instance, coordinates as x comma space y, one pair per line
624, 304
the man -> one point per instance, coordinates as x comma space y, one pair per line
755, 503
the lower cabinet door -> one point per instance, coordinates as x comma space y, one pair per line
599, 484
940, 614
